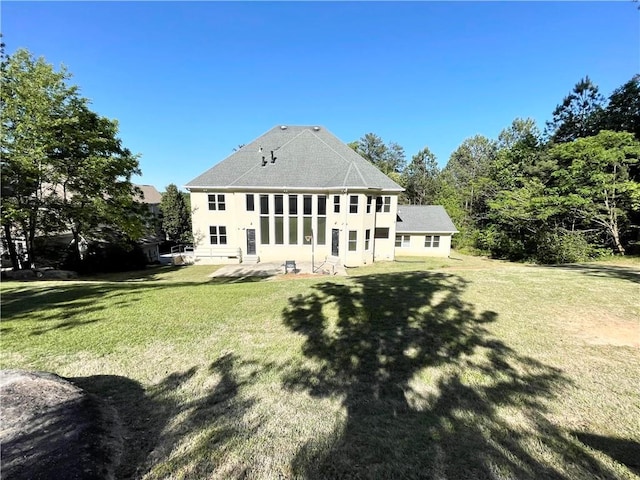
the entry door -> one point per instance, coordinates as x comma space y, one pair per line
251, 241
335, 235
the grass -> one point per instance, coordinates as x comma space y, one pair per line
420, 368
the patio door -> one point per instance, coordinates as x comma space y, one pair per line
335, 236
251, 241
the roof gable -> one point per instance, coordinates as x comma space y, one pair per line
424, 218
295, 157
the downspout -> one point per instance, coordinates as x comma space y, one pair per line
373, 238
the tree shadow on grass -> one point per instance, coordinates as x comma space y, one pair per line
155, 420
603, 270
427, 392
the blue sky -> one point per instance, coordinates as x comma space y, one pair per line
189, 81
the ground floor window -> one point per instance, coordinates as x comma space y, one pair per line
381, 233
432, 241
367, 239
402, 240
353, 240
218, 235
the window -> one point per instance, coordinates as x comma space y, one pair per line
216, 202
432, 241
402, 240
293, 204
381, 233
278, 207
250, 202
386, 208
264, 204
336, 204
293, 230
369, 199
307, 231
383, 204
353, 204
264, 230
307, 204
218, 235
279, 204
279, 225
367, 238
322, 205
321, 232
353, 240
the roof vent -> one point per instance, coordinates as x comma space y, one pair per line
273, 159
316, 128
264, 161
283, 127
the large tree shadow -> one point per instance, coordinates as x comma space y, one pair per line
424, 386
153, 421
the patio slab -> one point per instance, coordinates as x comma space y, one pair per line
272, 269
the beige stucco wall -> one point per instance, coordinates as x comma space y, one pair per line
237, 220
416, 246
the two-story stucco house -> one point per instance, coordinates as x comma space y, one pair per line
293, 192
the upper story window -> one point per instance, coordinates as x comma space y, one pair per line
306, 204
353, 204
336, 204
383, 204
279, 204
264, 204
322, 205
217, 202
250, 202
293, 204
369, 199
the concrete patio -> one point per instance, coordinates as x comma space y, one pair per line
272, 269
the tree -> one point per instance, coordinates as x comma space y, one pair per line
390, 159
622, 113
176, 218
468, 167
420, 178
594, 188
63, 166
578, 114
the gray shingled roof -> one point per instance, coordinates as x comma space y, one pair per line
305, 157
424, 218
150, 194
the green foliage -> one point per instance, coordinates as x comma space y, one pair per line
64, 168
420, 178
176, 217
388, 158
577, 116
622, 113
561, 246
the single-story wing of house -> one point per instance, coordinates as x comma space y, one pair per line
423, 230
297, 192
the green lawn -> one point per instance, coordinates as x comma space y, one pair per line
450, 369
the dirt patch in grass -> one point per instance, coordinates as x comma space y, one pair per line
597, 327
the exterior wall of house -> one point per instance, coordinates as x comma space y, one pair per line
284, 225
423, 244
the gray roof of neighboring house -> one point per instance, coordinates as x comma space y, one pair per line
151, 195
424, 218
305, 157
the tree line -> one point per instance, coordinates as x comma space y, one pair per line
566, 194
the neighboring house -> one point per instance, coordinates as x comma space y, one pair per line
150, 243
424, 230
293, 193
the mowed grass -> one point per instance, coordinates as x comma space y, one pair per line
439, 368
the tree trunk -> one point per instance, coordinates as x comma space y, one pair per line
12, 247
